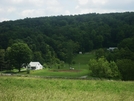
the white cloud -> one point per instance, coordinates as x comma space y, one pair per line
28, 12
52, 2
11, 9
17, 9
67, 12
83, 11
83, 2
16, 1
4, 19
99, 2
36, 3
32, 13
104, 6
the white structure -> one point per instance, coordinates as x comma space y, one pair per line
71, 68
112, 48
35, 66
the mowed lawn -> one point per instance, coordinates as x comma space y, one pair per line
40, 89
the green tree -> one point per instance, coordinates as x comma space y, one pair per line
99, 53
126, 53
19, 53
2, 59
69, 51
112, 55
103, 69
127, 43
38, 57
115, 70
9, 65
98, 41
126, 68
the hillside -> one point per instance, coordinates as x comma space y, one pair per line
57, 40
56, 35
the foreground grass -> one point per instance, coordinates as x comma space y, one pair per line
39, 89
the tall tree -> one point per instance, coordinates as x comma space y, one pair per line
38, 57
2, 60
19, 53
126, 67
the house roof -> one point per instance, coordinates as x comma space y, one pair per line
112, 48
34, 63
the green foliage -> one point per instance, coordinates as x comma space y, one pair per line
123, 53
88, 31
127, 43
126, 67
19, 53
2, 59
99, 53
112, 55
103, 69
126, 53
37, 56
69, 53
61, 37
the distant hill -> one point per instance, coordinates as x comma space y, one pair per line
58, 35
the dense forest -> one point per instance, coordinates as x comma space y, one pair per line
58, 38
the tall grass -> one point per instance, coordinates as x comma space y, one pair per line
39, 89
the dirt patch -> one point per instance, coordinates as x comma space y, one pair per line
65, 70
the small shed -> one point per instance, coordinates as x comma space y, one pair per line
35, 66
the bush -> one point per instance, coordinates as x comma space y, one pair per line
126, 67
103, 69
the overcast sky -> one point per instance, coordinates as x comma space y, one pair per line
19, 9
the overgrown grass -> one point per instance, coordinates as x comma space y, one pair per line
58, 73
39, 89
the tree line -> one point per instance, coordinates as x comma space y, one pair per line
58, 38
117, 63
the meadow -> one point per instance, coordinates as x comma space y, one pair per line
40, 89
51, 85
80, 66
59, 73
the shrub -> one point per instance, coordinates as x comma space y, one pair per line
103, 69
126, 67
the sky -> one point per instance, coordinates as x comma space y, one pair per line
20, 9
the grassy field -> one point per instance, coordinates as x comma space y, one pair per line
39, 89
57, 73
81, 68
34, 87
84, 58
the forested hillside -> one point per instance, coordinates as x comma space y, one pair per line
59, 37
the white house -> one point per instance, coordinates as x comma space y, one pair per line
35, 66
112, 48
